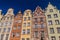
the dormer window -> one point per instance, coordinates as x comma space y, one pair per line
51, 10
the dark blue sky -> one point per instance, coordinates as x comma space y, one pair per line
26, 4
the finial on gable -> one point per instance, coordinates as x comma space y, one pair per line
49, 3
0, 12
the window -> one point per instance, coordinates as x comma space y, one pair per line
23, 32
18, 27
5, 24
36, 26
51, 10
8, 30
53, 38
28, 31
59, 37
24, 18
58, 30
27, 39
28, 18
0, 29
51, 30
7, 35
13, 34
35, 19
4, 30
9, 23
28, 24
23, 38
55, 15
36, 34
11, 17
17, 34
8, 18
42, 33
24, 25
57, 21
41, 19
27, 14
14, 28
50, 22
42, 25
2, 36
19, 21
49, 16
0, 24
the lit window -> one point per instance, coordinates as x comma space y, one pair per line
50, 22
51, 30
49, 16
55, 15
53, 38
58, 30
57, 21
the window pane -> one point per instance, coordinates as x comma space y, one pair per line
55, 15
49, 16
51, 30
58, 30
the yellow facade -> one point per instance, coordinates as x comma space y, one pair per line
54, 15
6, 25
26, 25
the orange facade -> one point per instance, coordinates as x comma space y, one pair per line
16, 28
39, 26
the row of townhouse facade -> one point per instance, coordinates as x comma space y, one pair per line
37, 25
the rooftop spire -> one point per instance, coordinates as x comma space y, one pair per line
0, 12
49, 3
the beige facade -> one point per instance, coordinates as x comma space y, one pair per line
6, 25
53, 22
26, 25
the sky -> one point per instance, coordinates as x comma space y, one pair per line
26, 4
